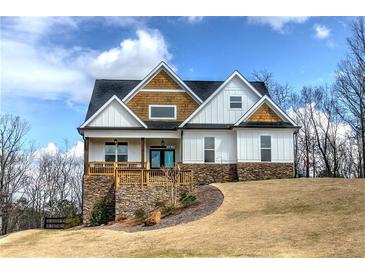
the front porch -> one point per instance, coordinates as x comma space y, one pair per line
135, 160
104, 155
140, 174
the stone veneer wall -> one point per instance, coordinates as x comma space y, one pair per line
129, 198
262, 171
212, 173
97, 187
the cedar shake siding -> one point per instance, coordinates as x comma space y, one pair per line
185, 104
162, 81
265, 114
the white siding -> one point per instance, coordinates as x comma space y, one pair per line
114, 115
225, 146
248, 145
218, 111
97, 149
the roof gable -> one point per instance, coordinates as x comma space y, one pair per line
264, 114
233, 76
265, 111
161, 80
114, 113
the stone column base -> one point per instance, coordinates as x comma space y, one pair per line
264, 170
212, 173
95, 188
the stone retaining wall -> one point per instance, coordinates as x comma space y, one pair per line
96, 187
129, 198
263, 171
212, 173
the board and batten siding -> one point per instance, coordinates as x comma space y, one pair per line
97, 149
218, 110
248, 145
225, 146
114, 115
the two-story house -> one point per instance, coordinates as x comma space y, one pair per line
221, 130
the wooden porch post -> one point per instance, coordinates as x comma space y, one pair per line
86, 156
142, 152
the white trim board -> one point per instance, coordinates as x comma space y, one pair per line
114, 97
219, 89
259, 103
162, 118
161, 66
116, 134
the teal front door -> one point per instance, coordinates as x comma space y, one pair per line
169, 158
162, 158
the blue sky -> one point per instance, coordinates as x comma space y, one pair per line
49, 64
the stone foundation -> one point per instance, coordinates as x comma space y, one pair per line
96, 187
129, 198
212, 173
263, 171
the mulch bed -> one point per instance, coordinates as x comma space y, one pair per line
209, 197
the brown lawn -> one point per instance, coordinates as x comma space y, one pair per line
277, 218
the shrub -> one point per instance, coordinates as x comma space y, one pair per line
140, 214
98, 215
73, 221
167, 210
187, 198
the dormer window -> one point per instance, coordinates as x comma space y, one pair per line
235, 102
162, 112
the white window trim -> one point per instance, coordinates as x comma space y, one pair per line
229, 107
163, 118
116, 151
204, 149
267, 135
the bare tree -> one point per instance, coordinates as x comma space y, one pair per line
280, 93
350, 87
301, 115
14, 165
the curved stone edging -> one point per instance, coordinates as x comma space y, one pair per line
211, 199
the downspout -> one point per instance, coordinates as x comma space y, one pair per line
295, 137
82, 188
181, 145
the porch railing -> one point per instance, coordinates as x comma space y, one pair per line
109, 168
146, 177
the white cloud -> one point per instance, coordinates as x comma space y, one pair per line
48, 71
277, 23
321, 31
51, 149
343, 131
133, 58
193, 19
77, 150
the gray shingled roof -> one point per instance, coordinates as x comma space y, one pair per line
266, 125
105, 89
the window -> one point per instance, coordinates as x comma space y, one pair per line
235, 102
265, 148
122, 152
209, 153
116, 152
162, 112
